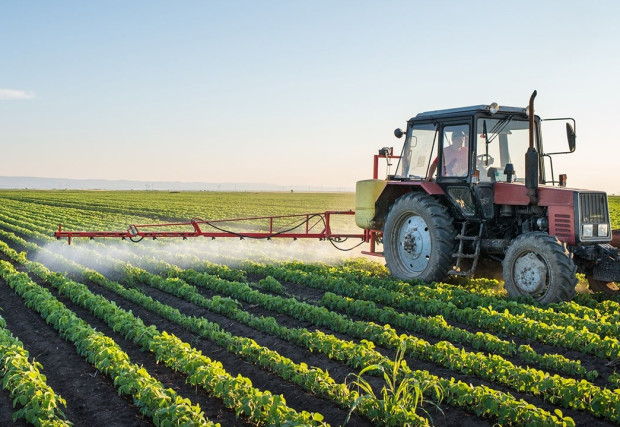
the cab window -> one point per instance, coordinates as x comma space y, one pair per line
506, 141
455, 151
419, 150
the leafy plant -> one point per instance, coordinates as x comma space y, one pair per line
270, 284
398, 399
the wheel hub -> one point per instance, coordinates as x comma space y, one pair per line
409, 242
530, 273
415, 243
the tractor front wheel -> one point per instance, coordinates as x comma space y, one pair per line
538, 265
418, 238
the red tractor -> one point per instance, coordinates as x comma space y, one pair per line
471, 185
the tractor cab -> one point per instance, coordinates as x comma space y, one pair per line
482, 143
466, 150
474, 183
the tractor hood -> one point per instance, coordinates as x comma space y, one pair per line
574, 216
516, 194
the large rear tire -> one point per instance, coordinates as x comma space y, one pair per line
540, 266
418, 239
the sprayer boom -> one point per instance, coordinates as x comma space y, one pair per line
300, 226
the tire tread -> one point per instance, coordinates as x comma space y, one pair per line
444, 231
561, 257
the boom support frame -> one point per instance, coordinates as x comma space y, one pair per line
216, 228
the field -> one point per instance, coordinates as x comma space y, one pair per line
246, 332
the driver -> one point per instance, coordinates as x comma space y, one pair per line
454, 155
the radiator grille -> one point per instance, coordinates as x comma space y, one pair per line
593, 208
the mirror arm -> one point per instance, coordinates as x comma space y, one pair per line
559, 152
574, 131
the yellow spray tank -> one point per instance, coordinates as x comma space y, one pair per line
366, 194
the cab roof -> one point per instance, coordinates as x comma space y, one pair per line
474, 109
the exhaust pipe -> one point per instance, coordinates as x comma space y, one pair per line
531, 159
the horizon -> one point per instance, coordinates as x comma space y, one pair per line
46, 183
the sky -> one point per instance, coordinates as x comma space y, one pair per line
290, 92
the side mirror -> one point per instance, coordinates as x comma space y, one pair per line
398, 133
570, 134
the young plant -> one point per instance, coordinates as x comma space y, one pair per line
270, 284
397, 402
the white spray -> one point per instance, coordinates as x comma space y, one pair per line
231, 252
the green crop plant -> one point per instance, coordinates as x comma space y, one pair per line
401, 394
270, 284
36, 401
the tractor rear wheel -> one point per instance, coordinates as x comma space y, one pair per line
609, 288
418, 238
538, 265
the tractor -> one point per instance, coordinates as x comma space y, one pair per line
472, 187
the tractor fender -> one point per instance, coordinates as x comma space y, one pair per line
395, 189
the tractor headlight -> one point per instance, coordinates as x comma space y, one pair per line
494, 108
603, 230
587, 230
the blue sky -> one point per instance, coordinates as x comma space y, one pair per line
285, 92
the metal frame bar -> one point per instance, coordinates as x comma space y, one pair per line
137, 231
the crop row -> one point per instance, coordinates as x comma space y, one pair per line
553, 362
563, 335
182, 206
567, 392
236, 392
556, 389
357, 355
27, 386
434, 326
481, 400
605, 323
242, 293
414, 343
153, 400
313, 379
604, 320
46, 218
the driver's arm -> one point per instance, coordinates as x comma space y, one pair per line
432, 170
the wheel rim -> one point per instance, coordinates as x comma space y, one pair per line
531, 275
414, 244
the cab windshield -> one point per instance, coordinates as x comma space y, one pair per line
419, 150
508, 141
